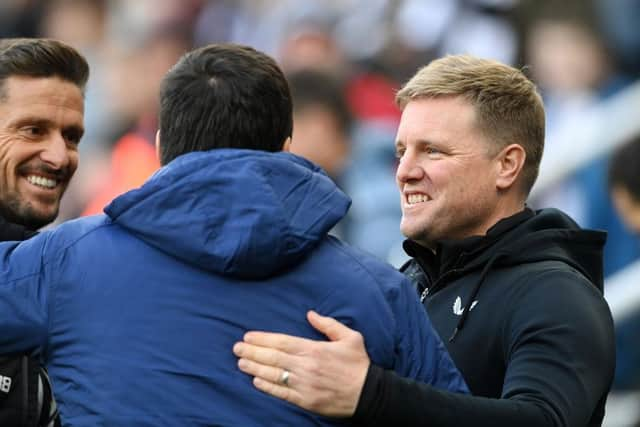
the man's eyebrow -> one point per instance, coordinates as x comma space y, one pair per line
425, 142
32, 120
44, 122
400, 143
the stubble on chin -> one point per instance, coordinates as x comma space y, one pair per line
16, 211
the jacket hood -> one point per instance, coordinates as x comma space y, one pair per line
545, 235
550, 234
242, 213
528, 236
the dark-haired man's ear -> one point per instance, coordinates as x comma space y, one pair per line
510, 163
287, 145
158, 144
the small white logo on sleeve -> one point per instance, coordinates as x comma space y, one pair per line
5, 384
458, 309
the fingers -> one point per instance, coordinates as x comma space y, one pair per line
278, 390
262, 355
329, 326
324, 377
286, 343
269, 380
264, 372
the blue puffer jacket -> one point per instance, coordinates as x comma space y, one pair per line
137, 310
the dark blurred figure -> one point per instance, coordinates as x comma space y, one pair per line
576, 72
133, 158
619, 20
322, 126
354, 152
322, 120
624, 185
20, 18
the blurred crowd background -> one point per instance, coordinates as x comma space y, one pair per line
345, 59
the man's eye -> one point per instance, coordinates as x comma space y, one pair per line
33, 131
72, 137
431, 150
399, 154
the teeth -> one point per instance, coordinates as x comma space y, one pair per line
417, 198
42, 181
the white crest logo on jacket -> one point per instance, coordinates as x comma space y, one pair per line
458, 309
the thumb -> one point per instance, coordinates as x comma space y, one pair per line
329, 326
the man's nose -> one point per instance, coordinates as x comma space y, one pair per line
56, 152
408, 169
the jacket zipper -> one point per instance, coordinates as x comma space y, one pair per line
438, 282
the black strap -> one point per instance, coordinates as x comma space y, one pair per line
26, 397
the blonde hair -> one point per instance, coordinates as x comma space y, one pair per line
508, 106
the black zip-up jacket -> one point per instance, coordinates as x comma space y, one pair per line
522, 314
30, 401
10, 231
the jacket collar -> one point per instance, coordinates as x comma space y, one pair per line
450, 254
10, 231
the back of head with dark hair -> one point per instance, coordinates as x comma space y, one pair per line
224, 96
41, 58
623, 168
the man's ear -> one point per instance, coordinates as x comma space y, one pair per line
158, 144
510, 163
286, 146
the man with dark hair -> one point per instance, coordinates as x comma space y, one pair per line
39, 143
41, 122
136, 310
517, 294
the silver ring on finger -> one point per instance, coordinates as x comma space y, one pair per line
284, 377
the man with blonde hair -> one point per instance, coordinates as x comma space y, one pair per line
516, 294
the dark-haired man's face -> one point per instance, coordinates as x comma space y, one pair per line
41, 123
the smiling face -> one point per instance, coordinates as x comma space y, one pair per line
446, 176
41, 123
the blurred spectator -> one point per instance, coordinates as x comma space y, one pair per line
575, 72
624, 184
322, 120
310, 46
133, 158
321, 125
370, 181
619, 20
375, 214
20, 18
356, 151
